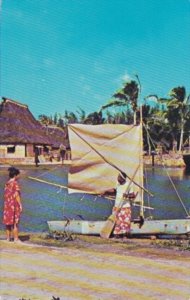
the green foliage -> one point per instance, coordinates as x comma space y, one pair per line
126, 96
174, 117
94, 118
164, 123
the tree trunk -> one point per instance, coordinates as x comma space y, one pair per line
149, 146
181, 135
135, 118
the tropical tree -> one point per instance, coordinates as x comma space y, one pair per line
176, 113
179, 103
55, 118
94, 118
45, 120
81, 115
121, 117
150, 116
157, 132
127, 96
70, 117
60, 122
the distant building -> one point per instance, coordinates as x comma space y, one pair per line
20, 133
58, 137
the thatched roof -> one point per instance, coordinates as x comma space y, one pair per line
57, 136
18, 125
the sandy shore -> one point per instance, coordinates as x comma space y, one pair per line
91, 268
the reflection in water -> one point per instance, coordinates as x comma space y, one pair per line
178, 173
169, 196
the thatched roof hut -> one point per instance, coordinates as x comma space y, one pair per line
57, 136
21, 134
18, 125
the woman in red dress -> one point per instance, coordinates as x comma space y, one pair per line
12, 204
122, 207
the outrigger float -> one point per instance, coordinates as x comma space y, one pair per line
150, 227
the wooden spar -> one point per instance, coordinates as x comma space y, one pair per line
141, 159
48, 182
58, 185
110, 223
145, 207
65, 187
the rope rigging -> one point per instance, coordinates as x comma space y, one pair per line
171, 181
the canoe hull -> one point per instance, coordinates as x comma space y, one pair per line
152, 227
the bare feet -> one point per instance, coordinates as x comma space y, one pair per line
17, 241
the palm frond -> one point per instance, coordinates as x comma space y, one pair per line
151, 96
120, 95
163, 100
114, 103
179, 93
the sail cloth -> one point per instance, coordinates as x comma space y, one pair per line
99, 152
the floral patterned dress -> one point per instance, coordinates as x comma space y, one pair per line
123, 216
123, 221
12, 211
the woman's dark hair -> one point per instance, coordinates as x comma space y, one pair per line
13, 172
123, 175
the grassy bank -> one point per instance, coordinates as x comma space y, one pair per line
84, 242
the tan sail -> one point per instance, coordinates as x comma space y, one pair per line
99, 152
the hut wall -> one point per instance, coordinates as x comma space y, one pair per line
3, 151
20, 151
12, 151
29, 150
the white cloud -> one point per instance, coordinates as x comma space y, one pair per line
125, 77
122, 79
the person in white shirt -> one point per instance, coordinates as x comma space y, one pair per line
122, 207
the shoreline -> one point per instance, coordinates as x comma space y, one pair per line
177, 243
167, 160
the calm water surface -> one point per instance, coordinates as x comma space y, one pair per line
42, 202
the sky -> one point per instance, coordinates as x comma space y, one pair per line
59, 55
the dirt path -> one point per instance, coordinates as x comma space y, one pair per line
98, 272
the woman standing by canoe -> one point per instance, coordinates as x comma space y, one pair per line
12, 204
122, 207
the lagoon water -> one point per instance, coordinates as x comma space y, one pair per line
43, 202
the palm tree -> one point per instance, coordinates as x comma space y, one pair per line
81, 115
45, 120
127, 96
180, 102
70, 117
94, 118
119, 117
176, 112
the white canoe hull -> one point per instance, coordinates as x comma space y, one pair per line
154, 227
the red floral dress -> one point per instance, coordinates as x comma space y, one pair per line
123, 221
123, 215
12, 211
